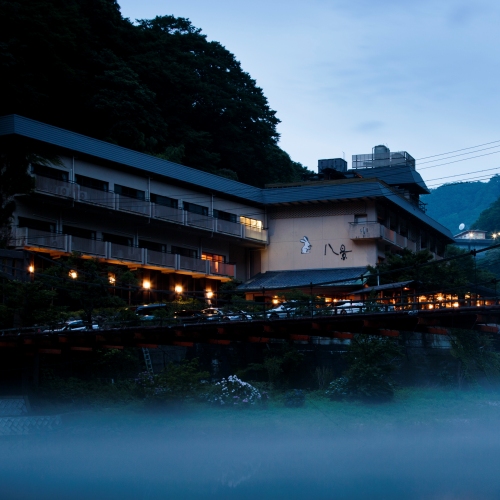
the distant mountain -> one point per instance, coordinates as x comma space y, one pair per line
461, 202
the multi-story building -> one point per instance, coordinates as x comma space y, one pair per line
182, 227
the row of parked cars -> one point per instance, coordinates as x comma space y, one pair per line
153, 312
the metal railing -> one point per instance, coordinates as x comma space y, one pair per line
146, 208
24, 237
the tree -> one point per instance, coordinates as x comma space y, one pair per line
432, 275
158, 86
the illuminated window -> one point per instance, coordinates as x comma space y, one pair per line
213, 257
254, 224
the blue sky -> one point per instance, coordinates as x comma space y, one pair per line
345, 75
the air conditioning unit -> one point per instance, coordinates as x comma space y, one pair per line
64, 191
84, 196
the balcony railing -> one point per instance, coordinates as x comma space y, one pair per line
161, 259
168, 213
198, 220
44, 240
222, 268
125, 252
192, 264
85, 246
133, 205
255, 234
96, 197
375, 230
145, 208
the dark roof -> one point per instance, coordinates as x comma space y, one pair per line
402, 175
14, 124
399, 284
323, 191
277, 280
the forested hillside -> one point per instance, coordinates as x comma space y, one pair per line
452, 204
158, 87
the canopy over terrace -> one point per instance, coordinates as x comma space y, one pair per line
323, 282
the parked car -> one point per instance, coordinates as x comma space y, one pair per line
288, 310
147, 312
237, 316
349, 307
188, 316
73, 326
211, 314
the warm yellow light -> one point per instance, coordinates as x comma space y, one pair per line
112, 279
276, 302
31, 269
328, 299
208, 293
73, 274
440, 297
146, 284
456, 304
178, 289
431, 306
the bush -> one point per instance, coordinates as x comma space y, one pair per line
179, 382
234, 392
295, 398
371, 361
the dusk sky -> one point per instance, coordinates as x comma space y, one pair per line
345, 75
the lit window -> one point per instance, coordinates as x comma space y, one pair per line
254, 224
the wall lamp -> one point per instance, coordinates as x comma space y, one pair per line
73, 274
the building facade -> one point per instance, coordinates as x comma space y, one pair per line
181, 227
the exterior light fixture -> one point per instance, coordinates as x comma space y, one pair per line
178, 289
209, 294
146, 284
73, 274
112, 279
275, 301
31, 269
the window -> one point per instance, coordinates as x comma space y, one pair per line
52, 173
164, 200
89, 182
360, 219
219, 214
213, 257
153, 245
41, 225
195, 209
185, 252
130, 192
254, 224
118, 239
79, 232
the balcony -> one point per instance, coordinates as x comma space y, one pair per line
34, 239
133, 205
96, 197
375, 231
199, 220
114, 201
255, 234
168, 213
96, 248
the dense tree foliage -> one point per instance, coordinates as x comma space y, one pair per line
158, 86
461, 202
450, 276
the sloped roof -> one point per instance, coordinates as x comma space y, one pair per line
274, 280
390, 286
399, 175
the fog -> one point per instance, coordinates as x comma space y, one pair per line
134, 460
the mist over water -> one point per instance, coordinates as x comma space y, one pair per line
131, 460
